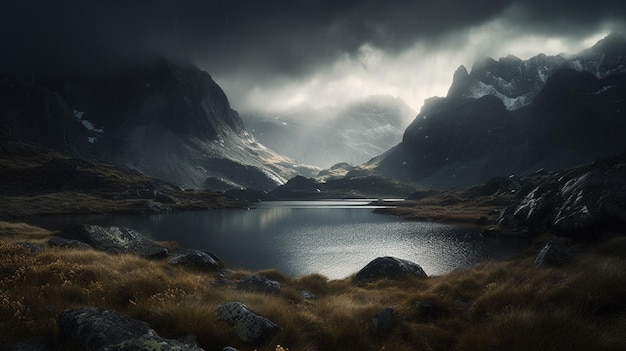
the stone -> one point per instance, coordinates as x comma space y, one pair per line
554, 254
579, 203
258, 283
116, 240
57, 241
383, 321
573, 217
307, 295
30, 247
249, 326
194, 259
531, 215
97, 329
389, 268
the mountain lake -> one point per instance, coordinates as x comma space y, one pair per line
335, 238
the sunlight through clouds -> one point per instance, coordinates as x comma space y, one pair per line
415, 74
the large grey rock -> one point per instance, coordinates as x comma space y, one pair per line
194, 259
97, 329
578, 203
389, 268
573, 216
249, 326
258, 283
117, 240
595, 199
554, 254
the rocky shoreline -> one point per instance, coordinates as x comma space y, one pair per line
581, 202
576, 216
88, 326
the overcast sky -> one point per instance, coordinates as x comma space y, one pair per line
277, 54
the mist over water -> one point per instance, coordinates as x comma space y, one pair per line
333, 238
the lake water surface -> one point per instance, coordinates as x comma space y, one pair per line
334, 238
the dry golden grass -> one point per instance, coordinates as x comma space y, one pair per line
497, 305
14, 232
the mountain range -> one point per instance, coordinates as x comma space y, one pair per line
514, 116
170, 120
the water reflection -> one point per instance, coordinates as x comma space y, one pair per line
332, 239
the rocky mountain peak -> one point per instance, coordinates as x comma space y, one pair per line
178, 96
612, 43
516, 82
460, 81
512, 115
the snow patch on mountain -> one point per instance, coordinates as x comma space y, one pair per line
516, 82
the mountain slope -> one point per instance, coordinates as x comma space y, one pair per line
574, 117
168, 120
35, 181
517, 82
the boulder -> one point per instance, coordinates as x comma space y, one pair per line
531, 215
116, 240
97, 329
249, 326
593, 200
57, 241
383, 321
194, 259
573, 217
389, 268
579, 203
554, 254
258, 283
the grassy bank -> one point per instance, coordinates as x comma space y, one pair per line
506, 305
36, 181
465, 206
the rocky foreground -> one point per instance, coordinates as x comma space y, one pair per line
108, 288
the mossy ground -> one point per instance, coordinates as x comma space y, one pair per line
507, 305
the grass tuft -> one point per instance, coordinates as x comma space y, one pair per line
496, 305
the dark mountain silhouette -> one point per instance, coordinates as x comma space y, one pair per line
511, 116
169, 120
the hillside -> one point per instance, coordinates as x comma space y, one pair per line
36, 180
512, 116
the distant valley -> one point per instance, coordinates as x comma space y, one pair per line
353, 133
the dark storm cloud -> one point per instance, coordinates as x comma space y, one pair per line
278, 36
264, 38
